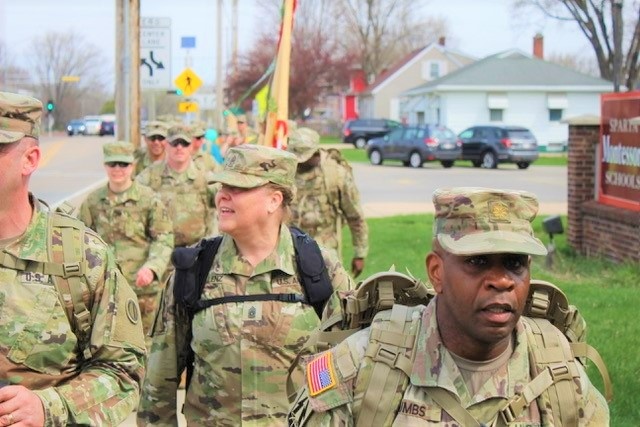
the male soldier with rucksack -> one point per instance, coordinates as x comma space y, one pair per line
327, 196
469, 358
71, 344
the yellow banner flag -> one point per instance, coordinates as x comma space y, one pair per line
262, 101
276, 127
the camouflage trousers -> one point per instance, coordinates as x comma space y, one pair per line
148, 306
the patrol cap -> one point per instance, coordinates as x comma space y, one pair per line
178, 132
475, 220
156, 128
241, 118
197, 129
250, 166
304, 143
19, 117
119, 151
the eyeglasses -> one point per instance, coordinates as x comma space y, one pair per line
156, 138
199, 137
117, 164
181, 142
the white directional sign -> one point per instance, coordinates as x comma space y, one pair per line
155, 53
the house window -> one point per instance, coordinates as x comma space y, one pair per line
555, 114
434, 70
420, 115
495, 114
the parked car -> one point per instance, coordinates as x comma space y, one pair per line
107, 127
487, 146
414, 145
358, 132
76, 127
92, 125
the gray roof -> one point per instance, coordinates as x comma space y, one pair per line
512, 69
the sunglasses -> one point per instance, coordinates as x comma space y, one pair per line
156, 138
181, 142
117, 164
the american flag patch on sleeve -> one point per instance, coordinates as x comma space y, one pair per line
320, 374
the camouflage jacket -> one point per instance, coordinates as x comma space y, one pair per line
434, 367
242, 350
143, 161
38, 347
188, 197
204, 161
319, 210
136, 225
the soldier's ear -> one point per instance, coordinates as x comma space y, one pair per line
275, 201
435, 266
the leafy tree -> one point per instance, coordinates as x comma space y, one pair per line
597, 21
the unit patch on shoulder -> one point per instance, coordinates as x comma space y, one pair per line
320, 374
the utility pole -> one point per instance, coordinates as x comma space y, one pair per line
616, 17
134, 74
219, 93
234, 35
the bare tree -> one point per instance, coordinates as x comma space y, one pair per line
384, 31
605, 26
68, 55
12, 77
575, 62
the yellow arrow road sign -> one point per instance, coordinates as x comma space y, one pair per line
188, 107
188, 81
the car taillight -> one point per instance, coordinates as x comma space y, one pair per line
506, 142
431, 142
347, 132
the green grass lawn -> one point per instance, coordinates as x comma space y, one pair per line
607, 294
360, 156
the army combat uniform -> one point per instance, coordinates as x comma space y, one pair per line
189, 200
96, 382
435, 368
242, 350
136, 225
327, 195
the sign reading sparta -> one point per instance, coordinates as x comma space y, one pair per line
155, 53
619, 150
188, 81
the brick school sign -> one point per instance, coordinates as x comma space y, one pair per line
604, 180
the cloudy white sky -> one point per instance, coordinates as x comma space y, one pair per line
479, 27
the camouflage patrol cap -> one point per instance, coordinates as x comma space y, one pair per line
156, 128
19, 117
178, 132
120, 151
250, 166
304, 143
474, 220
241, 118
197, 129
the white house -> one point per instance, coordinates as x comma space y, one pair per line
508, 88
380, 99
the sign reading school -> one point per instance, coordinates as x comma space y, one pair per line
188, 82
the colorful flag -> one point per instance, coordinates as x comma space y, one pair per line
276, 127
320, 374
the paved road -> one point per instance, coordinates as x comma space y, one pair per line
71, 167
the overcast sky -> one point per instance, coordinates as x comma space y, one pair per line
479, 27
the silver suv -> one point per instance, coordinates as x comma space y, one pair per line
486, 146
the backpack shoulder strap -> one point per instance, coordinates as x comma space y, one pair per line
387, 365
312, 270
66, 235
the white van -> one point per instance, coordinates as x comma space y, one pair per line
92, 125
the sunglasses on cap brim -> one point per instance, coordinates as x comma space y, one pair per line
181, 142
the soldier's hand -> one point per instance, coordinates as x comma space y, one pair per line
144, 277
20, 406
357, 265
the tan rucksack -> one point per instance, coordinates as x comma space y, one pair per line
396, 302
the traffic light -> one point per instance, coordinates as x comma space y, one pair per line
50, 106
175, 92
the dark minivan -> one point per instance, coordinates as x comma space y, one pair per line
358, 132
415, 145
486, 146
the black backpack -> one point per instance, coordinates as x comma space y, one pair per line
193, 264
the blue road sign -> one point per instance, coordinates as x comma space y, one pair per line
188, 42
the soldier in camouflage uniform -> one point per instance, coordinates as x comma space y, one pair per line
327, 196
71, 344
242, 349
184, 189
202, 159
472, 348
155, 135
133, 221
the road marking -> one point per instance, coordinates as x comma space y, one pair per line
51, 152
